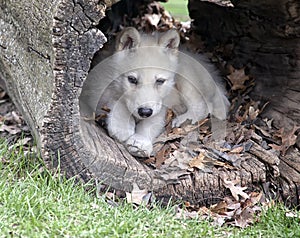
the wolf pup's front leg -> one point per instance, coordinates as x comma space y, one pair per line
141, 143
120, 123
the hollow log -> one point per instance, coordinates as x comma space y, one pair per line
46, 53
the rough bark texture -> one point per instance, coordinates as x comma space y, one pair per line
46, 51
26, 57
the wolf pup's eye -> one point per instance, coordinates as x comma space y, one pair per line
160, 81
132, 79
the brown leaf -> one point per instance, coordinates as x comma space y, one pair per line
149, 160
268, 122
219, 208
256, 197
245, 218
21, 142
13, 130
235, 190
169, 118
165, 138
288, 139
264, 132
197, 162
178, 159
237, 78
161, 155
185, 214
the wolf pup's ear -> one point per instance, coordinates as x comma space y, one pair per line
129, 38
170, 40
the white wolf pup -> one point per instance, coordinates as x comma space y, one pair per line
149, 74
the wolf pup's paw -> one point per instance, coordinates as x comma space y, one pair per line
121, 134
139, 146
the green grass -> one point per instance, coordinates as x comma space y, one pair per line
37, 203
178, 9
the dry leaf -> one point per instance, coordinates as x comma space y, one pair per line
153, 19
173, 135
256, 197
268, 122
137, 195
161, 155
178, 159
240, 214
13, 130
185, 214
169, 118
253, 113
237, 149
236, 190
245, 218
16, 117
219, 208
150, 160
197, 162
237, 78
288, 139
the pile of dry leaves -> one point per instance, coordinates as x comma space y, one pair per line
241, 210
12, 126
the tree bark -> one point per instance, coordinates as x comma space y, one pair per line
46, 51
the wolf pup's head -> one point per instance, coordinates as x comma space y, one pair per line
147, 69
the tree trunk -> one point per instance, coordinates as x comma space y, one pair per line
46, 51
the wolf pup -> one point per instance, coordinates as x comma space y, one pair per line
153, 75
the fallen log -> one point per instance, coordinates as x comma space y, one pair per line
46, 53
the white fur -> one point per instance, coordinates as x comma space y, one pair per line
152, 59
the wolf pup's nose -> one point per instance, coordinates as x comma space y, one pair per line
145, 112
